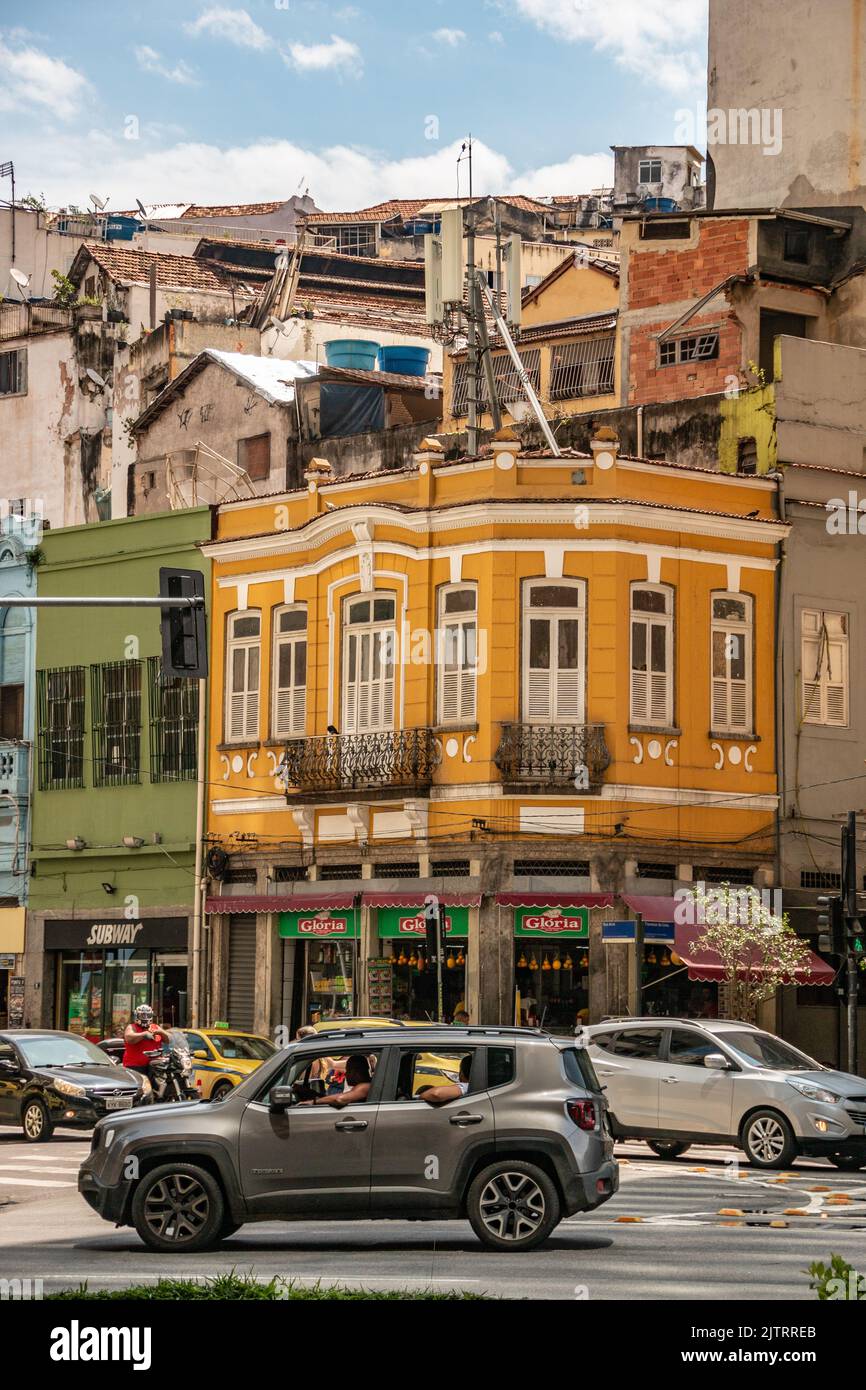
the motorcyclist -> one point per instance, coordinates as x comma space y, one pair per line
141, 1036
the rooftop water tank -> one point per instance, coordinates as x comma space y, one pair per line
358, 354
410, 361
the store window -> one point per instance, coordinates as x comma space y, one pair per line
551, 967
320, 961
458, 653
243, 671
289, 679
99, 991
652, 642
402, 980
553, 652
732, 641
369, 649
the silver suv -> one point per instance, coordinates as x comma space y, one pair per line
677, 1082
517, 1140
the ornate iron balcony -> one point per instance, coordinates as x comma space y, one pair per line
358, 762
553, 755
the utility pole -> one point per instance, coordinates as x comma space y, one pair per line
474, 380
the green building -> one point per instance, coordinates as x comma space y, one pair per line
114, 787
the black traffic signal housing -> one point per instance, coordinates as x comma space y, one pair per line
831, 927
855, 937
184, 630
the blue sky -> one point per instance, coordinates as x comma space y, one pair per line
356, 99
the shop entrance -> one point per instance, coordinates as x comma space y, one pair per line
401, 981
324, 959
551, 967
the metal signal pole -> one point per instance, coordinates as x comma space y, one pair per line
851, 914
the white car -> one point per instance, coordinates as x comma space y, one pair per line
677, 1082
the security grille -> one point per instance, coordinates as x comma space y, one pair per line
242, 972
551, 868
115, 693
505, 378
716, 873
329, 872
400, 869
290, 873
449, 868
584, 368
821, 878
645, 869
60, 718
173, 704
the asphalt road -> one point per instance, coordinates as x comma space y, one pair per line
696, 1228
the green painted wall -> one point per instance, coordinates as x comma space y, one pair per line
113, 558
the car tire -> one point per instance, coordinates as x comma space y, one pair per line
179, 1207
768, 1141
668, 1148
222, 1090
847, 1163
512, 1206
36, 1121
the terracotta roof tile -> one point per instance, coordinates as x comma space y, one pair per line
234, 209
129, 266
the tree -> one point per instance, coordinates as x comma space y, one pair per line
65, 292
759, 952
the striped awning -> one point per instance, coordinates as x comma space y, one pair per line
280, 902
417, 899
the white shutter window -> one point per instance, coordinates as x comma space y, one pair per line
824, 662
651, 692
731, 657
289, 677
554, 676
243, 667
370, 644
457, 654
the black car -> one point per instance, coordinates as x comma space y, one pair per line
50, 1078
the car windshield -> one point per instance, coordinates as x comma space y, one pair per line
242, 1049
763, 1050
61, 1050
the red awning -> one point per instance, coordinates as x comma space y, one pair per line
653, 909
279, 902
417, 899
706, 965
554, 899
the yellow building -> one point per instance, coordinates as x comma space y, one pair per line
532, 685
567, 343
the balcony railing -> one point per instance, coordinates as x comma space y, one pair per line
571, 756
14, 770
23, 320
359, 762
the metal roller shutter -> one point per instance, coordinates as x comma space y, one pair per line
242, 972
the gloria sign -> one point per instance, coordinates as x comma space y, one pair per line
310, 926
552, 923
409, 921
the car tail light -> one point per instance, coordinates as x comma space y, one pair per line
582, 1112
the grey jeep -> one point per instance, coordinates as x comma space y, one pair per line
520, 1144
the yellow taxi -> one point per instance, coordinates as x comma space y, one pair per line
223, 1058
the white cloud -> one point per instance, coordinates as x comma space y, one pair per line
496, 36
235, 26
340, 55
452, 37
150, 61
32, 78
339, 177
663, 41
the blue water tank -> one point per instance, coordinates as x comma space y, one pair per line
359, 354
661, 205
119, 228
410, 361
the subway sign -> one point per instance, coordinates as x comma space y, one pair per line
552, 923
409, 921
327, 925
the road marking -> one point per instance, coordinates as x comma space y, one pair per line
34, 1182
18, 1167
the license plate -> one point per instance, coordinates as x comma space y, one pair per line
118, 1103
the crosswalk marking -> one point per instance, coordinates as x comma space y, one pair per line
18, 1167
34, 1182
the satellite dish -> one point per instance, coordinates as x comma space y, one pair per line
142, 209
96, 378
98, 203
21, 280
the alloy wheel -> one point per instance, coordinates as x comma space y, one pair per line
176, 1208
766, 1139
512, 1206
34, 1121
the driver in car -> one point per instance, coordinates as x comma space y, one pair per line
358, 1081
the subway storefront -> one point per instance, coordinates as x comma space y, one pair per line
105, 967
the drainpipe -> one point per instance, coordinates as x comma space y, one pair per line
779, 638
201, 780
640, 431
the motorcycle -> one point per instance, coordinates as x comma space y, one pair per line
171, 1070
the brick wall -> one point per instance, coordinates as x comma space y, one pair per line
649, 382
659, 274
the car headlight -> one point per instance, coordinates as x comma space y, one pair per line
68, 1088
813, 1092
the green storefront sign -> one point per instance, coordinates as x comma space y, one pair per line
552, 923
409, 921
341, 924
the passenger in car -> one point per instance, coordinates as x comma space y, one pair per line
440, 1095
358, 1082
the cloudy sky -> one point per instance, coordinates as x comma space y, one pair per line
189, 101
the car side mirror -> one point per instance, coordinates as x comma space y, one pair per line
716, 1062
281, 1099
200, 1054
9, 1066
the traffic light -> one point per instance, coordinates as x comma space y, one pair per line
855, 937
184, 630
831, 927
